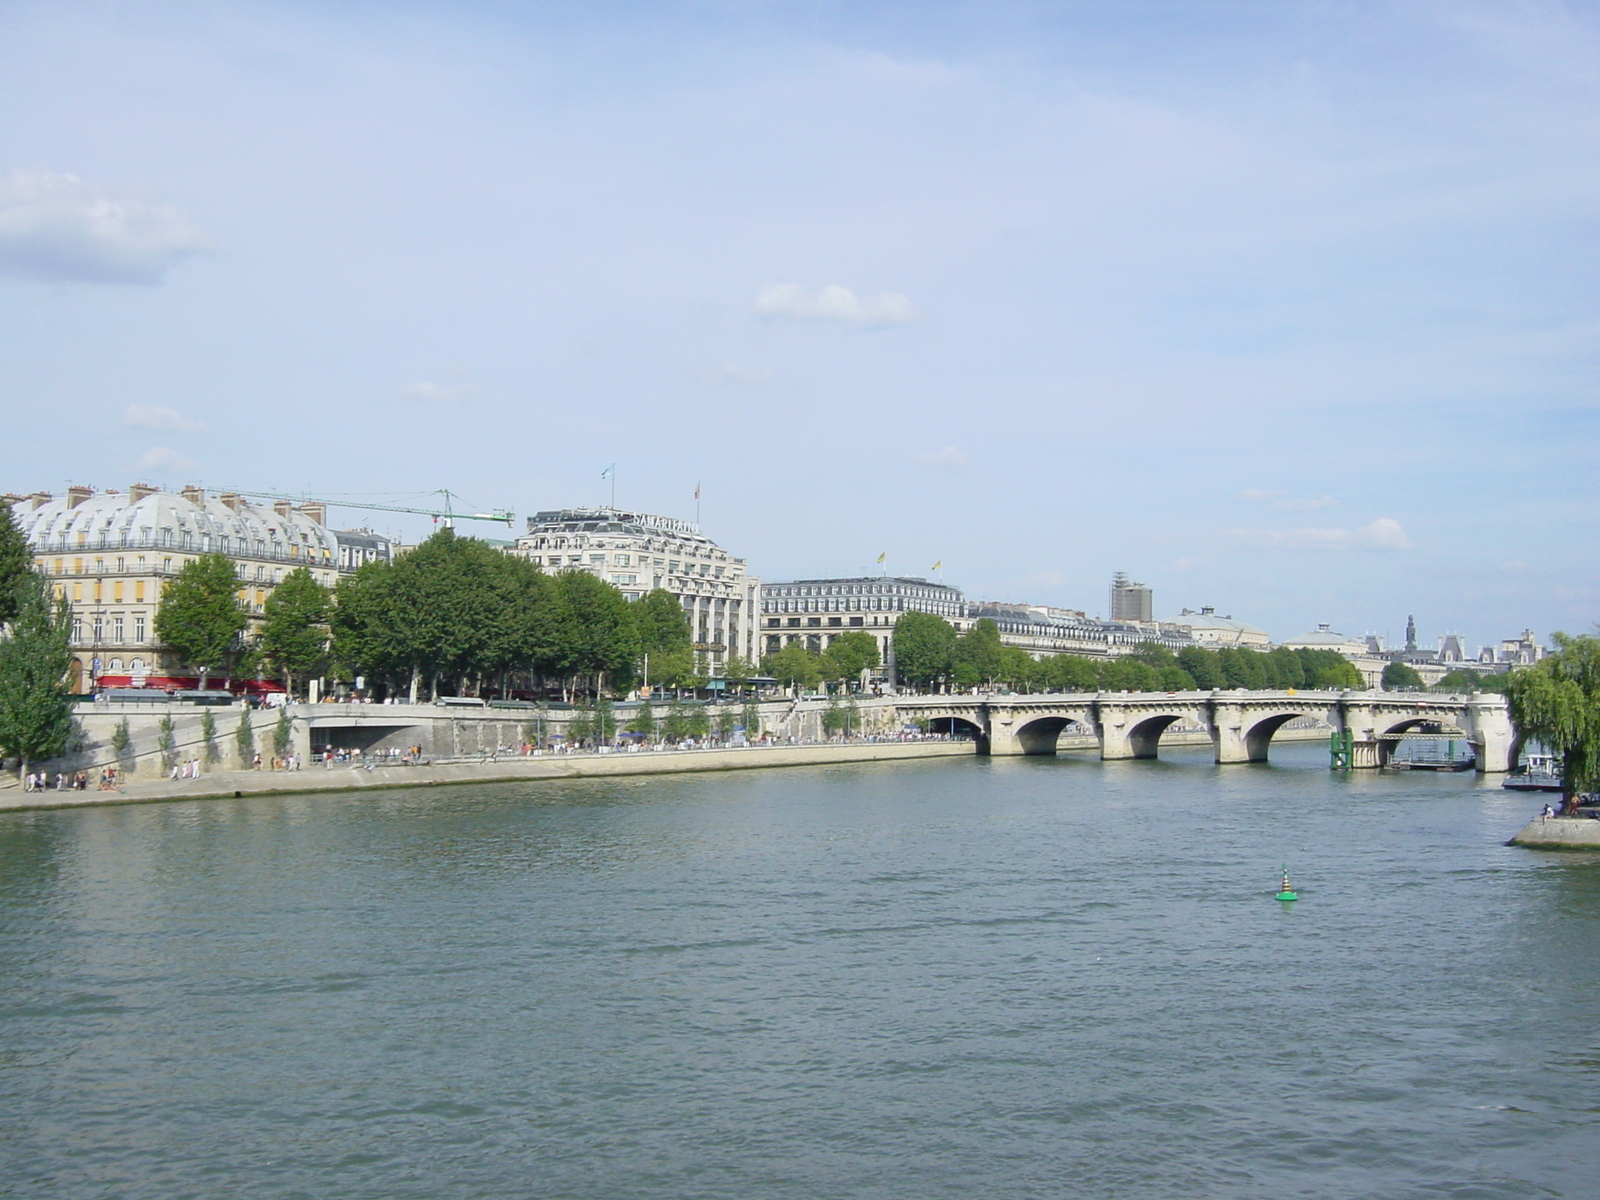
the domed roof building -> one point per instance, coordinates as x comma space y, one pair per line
111, 554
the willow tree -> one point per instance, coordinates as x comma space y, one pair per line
1556, 702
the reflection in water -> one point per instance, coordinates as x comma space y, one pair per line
1044, 977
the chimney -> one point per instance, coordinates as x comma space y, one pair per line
77, 494
194, 496
139, 491
232, 501
317, 511
282, 507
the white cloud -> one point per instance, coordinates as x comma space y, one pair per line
153, 416
834, 303
731, 372
1383, 534
55, 226
164, 461
1255, 493
438, 393
949, 457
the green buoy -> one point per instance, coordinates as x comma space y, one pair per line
1287, 892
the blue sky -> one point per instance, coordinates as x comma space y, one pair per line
1285, 308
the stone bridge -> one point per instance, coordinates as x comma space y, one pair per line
1240, 723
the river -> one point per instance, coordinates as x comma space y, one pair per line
951, 979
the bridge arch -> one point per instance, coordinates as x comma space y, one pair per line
1258, 738
1388, 742
1041, 735
960, 727
1144, 739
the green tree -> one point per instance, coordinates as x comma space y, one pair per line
167, 743
750, 718
294, 633
16, 565
605, 721
1018, 670
644, 721
1069, 673
739, 670
848, 655
35, 653
281, 734
580, 726
662, 624
121, 738
1556, 702
675, 726
924, 644
1203, 667
595, 631
698, 721
674, 669
727, 718
244, 740
794, 666
208, 737
976, 656
1399, 676
201, 616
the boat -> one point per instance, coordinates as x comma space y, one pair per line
1535, 773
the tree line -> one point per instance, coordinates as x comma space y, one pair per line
454, 616
929, 653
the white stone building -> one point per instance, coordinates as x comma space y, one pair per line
111, 554
638, 553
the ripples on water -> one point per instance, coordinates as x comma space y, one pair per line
1042, 978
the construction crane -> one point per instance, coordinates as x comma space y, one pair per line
445, 514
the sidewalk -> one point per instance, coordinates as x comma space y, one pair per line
342, 777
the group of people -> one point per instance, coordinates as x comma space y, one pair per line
78, 781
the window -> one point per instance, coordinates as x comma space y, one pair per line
794, 622
77, 629
138, 630
122, 565
99, 628
619, 560
115, 666
166, 566
624, 579
77, 566
261, 573
139, 563
855, 620
116, 629
814, 621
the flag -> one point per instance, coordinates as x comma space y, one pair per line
938, 566
606, 474
697, 489
884, 557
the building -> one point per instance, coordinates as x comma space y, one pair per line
1043, 631
1214, 632
1129, 601
812, 612
111, 555
638, 553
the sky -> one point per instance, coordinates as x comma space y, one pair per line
1285, 308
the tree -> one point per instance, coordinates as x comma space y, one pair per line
750, 718
1203, 668
1018, 670
848, 655
794, 666
644, 721
35, 654
244, 740
976, 656
208, 737
16, 565
1342, 674
201, 616
595, 631
1556, 702
1069, 673
1399, 676
663, 625
294, 635
923, 646
281, 735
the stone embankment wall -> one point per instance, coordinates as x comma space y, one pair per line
1559, 833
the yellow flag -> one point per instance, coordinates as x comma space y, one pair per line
938, 566
884, 557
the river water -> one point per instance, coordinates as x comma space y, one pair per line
958, 978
